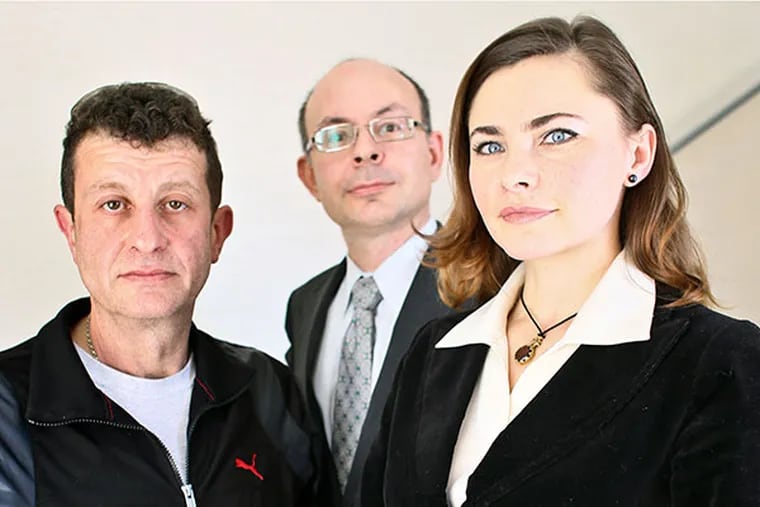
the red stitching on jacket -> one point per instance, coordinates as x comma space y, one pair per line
205, 389
108, 406
239, 463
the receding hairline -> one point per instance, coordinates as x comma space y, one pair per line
158, 145
405, 78
171, 142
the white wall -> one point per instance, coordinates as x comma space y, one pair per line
723, 177
250, 65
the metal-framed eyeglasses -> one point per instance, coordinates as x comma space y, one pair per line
340, 136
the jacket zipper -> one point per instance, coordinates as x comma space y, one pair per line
187, 489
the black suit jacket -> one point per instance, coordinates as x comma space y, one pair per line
673, 421
305, 323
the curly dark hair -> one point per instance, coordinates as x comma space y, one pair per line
143, 114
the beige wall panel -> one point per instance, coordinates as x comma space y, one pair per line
722, 173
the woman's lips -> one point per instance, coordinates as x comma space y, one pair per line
523, 215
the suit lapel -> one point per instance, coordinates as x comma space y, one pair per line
584, 395
313, 324
420, 306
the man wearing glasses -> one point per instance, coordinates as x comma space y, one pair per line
120, 400
370, 157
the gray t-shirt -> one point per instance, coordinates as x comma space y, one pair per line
160, 405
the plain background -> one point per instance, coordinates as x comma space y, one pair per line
251, 64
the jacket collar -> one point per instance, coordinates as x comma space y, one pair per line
623, 301
312, 325
393, 276
587, 394
60, 390
603, 380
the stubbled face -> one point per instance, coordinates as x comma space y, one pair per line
143, 236
549, 159
370, 187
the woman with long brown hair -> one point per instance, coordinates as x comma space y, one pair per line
594, 374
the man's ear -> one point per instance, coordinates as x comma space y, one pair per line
435, 147
306, 175
65, 222
221, 228
644, 149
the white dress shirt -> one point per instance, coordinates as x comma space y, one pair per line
619, 310
393, 277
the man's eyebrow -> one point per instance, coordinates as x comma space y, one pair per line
390, 107
105, 186
118, 187
179, 185
332, 120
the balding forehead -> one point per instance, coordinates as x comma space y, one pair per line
339, 92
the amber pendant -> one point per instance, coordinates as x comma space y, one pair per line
524, 354
527, 352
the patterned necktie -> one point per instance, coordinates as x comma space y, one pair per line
354, 387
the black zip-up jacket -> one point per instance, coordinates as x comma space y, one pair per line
64, 443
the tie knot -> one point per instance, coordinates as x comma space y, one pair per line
365, 294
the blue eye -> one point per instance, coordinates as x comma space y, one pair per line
335, 137
488, 148
559, 136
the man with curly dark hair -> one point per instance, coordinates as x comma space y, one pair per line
120, 400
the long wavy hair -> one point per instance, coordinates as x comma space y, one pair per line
653, 226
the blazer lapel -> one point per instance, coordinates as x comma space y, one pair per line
420, 306
584, 395
312, 325
448, 382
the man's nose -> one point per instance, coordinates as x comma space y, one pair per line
148, 233
366, 149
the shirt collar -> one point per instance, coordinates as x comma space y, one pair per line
487, 324
222, 369
619, 310
407, 257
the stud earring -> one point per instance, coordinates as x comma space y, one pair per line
633, 179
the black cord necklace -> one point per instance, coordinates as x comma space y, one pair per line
528, 352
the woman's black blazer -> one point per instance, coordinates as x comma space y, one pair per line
673, 421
